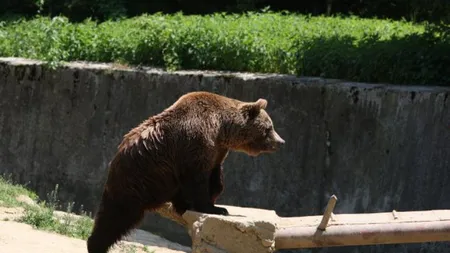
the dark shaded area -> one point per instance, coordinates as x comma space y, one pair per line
421, 59
417, 10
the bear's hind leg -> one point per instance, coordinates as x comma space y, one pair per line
112, 221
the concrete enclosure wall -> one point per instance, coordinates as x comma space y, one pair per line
377, 147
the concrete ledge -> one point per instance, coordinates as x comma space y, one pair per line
303, 80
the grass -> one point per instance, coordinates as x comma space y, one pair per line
369, 50
43, 218
41, 215
10, 191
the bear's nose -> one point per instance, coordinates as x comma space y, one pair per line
278, 139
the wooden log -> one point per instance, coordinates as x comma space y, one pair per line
364, 229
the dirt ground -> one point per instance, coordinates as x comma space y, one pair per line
22, 238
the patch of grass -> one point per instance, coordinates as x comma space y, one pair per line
42, 216
10, 191
357, 49
134, 249
145, 248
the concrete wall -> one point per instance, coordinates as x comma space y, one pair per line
377, 147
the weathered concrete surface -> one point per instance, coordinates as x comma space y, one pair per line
249, 230
377, 147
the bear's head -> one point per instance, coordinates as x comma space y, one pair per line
255, 131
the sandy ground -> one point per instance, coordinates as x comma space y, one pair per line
22, 238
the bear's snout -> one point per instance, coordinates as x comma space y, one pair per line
277, 138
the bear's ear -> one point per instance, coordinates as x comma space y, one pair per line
252, 109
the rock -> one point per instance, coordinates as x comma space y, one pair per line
251, 229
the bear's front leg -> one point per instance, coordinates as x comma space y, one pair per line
201, 197
216, 183
180, 204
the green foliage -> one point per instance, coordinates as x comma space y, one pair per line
9, 191
43, 218
42, 215
356, 49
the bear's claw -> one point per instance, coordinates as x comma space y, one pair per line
221, 211
213, 210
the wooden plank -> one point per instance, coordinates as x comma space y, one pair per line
364, 229
367, 218
297, 237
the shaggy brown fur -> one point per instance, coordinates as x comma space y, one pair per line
177, 156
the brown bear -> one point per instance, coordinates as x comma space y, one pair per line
176, 156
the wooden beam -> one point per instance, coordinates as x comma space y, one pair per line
364, 229
350, 229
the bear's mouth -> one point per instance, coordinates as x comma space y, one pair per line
275, 146
271, 149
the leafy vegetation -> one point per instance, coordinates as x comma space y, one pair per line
42, 214
10, 191
356, 49
43, 218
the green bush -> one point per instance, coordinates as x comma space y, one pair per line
355, 49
